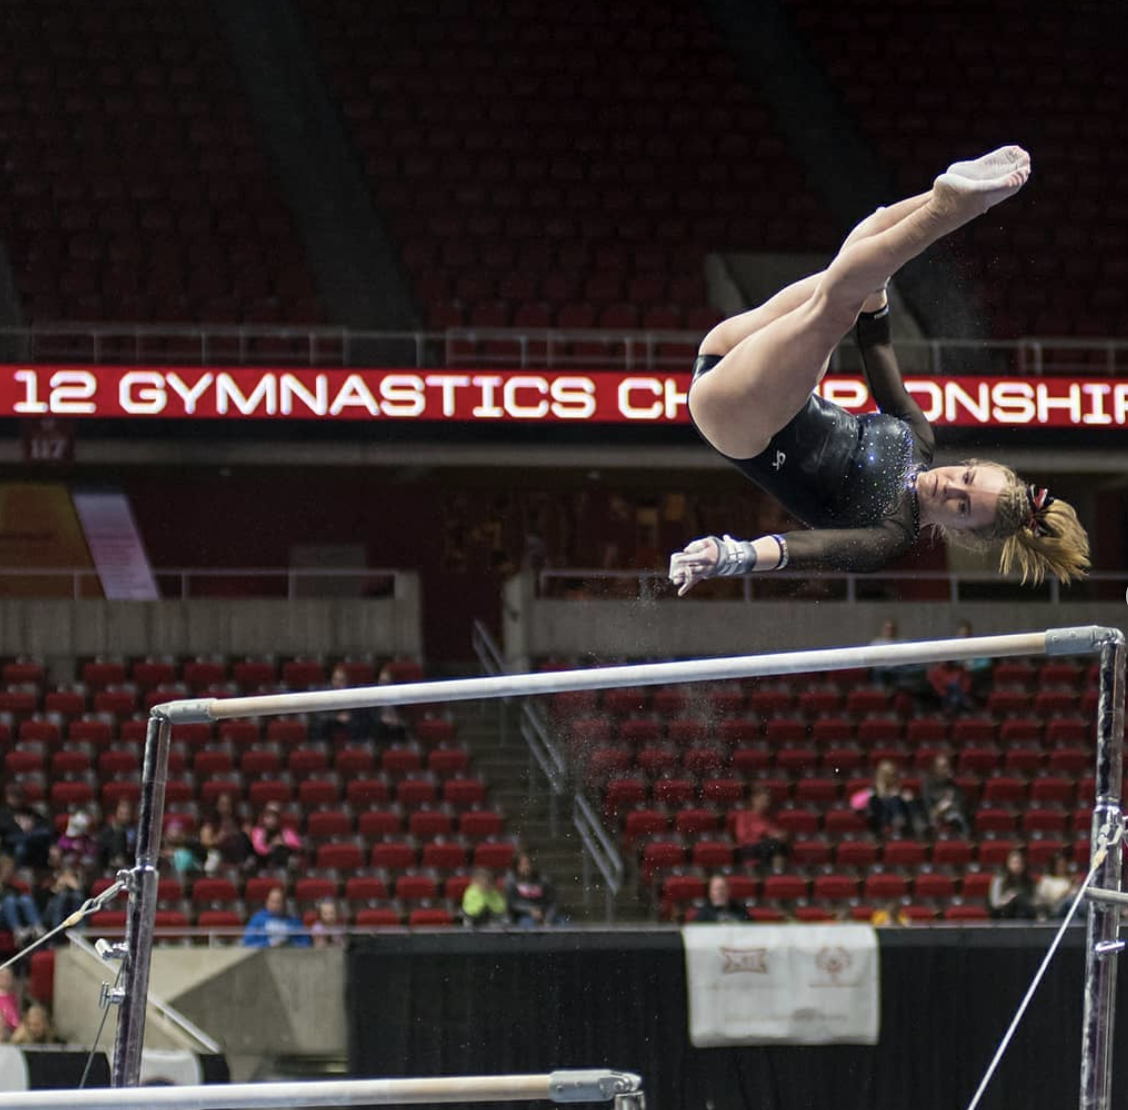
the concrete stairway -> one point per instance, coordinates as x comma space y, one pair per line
491, 731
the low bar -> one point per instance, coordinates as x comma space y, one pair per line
1067, 641
142, 911
559, 1086
1104, 915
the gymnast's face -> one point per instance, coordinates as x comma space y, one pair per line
963, 496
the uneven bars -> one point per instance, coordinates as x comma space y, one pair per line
558, 1086
1058, 641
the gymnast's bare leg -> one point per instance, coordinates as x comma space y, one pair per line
773, 356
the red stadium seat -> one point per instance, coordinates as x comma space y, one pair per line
659, 855
496, 854
428, 822
379, 917
444, 855
857, 852
810, 851
478, 824
376, 824
784, 888
393, 854
339, 855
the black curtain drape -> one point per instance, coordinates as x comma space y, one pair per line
492, 1003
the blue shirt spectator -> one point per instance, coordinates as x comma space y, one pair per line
272, 927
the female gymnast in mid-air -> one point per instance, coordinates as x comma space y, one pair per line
863, 484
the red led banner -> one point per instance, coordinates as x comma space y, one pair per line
507, 396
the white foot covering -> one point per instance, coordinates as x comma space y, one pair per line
987, 180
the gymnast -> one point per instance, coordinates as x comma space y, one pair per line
864, 485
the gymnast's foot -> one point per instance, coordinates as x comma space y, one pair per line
983, 182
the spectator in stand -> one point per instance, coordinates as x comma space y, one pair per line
890, 914
1011, 893
117, 838
346, 725
388, 726
905, 678
9, 1004
275, 844
951, 683
482, 902
25, 832
328, 931
66, 893
758, 837
891, 809
1057, 888
226, 843
944, 801
273, 927
36, 1027
17, 906
77, 843
719, 906
979, 668
529, 894
182, 854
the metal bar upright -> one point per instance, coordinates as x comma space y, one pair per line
1104, 917
142, 906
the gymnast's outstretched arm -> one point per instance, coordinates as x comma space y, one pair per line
852, 550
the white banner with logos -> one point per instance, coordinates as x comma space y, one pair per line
782, 984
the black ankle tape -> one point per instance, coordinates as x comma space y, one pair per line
873, 327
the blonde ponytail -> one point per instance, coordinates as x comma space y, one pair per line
1040, 534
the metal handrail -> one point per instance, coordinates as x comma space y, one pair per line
184, 576
554, 766
614, 348
655, 583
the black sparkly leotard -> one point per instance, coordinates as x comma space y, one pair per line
849, 478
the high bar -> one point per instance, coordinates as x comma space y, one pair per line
1056, 641
558, 1086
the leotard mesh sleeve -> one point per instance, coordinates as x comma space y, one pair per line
883, 375
857, 550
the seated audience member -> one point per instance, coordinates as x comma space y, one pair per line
528, 894
1011, 893
890, 914
182, 854
36, 1027
951, 683
719, 906
906, 678
226, 843
758, 837
66, 894
482, 902
274, 844
17, 906
944, 802
346, 725
26, 834
9, 1004
979, 667
78, 844
1056, 889
891, 809
273, 927
328, 931
388, 724
117, 838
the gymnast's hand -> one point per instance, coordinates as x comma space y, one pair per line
695, 563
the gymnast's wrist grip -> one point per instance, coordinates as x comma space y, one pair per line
734, 556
